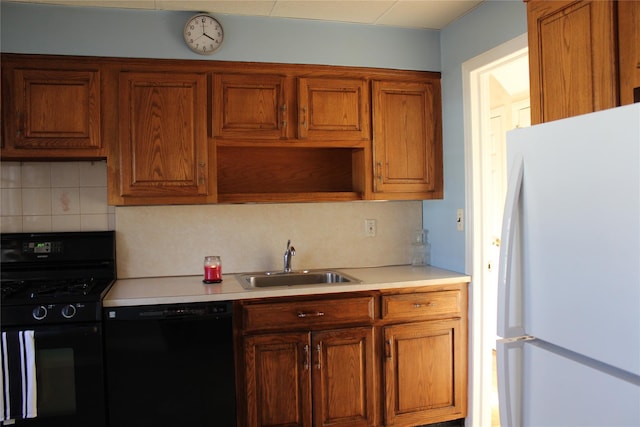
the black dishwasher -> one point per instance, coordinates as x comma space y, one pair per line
170, 365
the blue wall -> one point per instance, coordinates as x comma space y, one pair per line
484, 28
69, 30
158, 34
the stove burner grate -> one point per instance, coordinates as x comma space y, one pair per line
62, 288
12, 287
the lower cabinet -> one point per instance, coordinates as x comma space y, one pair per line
422, 373
303, 379
374, 358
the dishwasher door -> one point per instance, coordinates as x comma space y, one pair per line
170, 365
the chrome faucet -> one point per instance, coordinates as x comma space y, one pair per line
291, 251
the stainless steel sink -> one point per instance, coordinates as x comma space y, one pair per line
295, 278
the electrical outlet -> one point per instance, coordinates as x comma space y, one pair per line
460, 220
370, 227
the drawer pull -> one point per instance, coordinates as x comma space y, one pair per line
302, 314
418, 305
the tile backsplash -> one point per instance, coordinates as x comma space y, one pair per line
54, 196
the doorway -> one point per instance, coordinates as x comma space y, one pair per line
496, 93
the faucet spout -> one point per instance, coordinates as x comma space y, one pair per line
290, 252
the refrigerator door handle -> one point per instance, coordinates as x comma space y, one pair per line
507, 297
509, 358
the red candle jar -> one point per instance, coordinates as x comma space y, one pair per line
212, 269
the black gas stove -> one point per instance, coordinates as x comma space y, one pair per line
55, 277
51, 290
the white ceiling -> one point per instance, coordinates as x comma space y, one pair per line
431, 14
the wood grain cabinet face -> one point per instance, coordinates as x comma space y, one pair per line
407, 138
53, 112
424, 372
572, 57
314, 366
333, 109
250, 106
278, 379
629, 47
163, 134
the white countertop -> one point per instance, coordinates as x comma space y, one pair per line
186, 289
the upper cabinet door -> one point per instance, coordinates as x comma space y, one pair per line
407, 138
629, 46
572, 58
250, 106
163, 134
333, 109
55, 113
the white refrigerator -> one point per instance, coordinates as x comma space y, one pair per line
569, 278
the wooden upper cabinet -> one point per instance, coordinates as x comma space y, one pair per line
333, 109
250, 106
572, 58
51, 112
629, 47
407, 139
163, 135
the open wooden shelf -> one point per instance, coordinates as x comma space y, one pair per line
264, 174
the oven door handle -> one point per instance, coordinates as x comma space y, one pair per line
67, 330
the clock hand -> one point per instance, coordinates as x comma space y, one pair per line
207, 35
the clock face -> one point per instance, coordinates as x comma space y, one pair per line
203, 34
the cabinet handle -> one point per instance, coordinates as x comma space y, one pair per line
387, 349
305, 363
318, 356
303, 123
19, 124
418, 305
379, 170
283, 112
302, 314
201, 165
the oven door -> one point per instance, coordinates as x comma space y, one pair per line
69, 375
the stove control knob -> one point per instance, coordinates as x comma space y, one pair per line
39, 312
68, 311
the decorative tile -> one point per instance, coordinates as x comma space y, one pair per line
65, 201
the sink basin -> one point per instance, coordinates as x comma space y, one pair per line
296, 278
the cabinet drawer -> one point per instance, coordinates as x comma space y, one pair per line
306, 314
421, 305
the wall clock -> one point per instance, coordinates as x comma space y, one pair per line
203, 34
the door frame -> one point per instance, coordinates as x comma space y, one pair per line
480, 363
